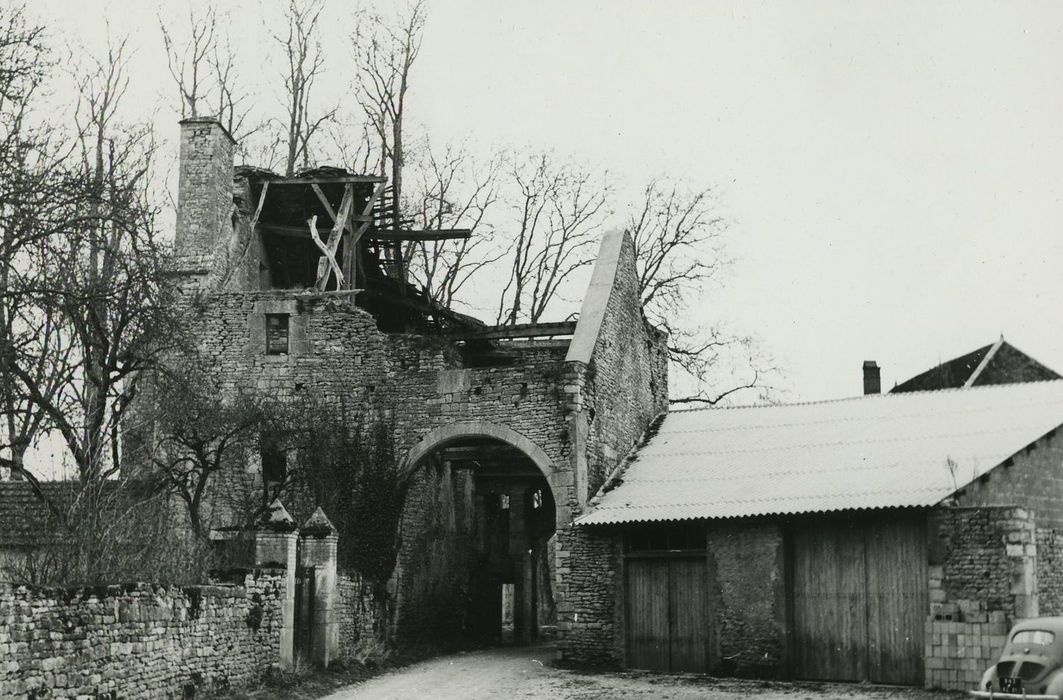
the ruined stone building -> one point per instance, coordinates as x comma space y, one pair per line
503, 433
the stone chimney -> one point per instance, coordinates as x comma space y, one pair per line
204, 192
872, 378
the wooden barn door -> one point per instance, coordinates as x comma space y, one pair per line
898, 601
830, 602
667, 614
859, 599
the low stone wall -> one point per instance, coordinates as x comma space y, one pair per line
137, 640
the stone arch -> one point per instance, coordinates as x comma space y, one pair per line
477, 428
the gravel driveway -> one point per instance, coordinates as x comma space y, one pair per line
518, 673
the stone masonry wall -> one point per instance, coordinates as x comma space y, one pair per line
360, 626
1033, 480
748, 591
204, 192
590, 563
139, 640
982, 578
1049, 572
626, 384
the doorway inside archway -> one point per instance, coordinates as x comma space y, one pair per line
476, 552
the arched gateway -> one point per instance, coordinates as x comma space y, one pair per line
476, 551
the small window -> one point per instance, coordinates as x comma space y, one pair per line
537, 498
276, 334
503, 501
274, 460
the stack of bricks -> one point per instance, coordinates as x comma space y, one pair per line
962, 641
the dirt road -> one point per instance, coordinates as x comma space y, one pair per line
520, 673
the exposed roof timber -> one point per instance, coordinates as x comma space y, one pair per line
339, 179
293, 231
523, 330
304, 232
419, 234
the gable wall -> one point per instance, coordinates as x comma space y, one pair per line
1034, 481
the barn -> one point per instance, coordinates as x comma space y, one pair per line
888, 538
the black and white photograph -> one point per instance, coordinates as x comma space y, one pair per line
571, 349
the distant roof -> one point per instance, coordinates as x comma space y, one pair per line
996, 363
877, 451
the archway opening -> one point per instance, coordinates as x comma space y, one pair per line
476, 553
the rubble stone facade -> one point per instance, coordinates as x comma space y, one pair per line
574, 415
138, 640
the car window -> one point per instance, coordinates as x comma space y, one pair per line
1033, 637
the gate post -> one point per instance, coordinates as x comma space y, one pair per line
317, 550
275, 542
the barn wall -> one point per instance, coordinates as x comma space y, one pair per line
749, 595
983, 576
590, 614
1034, 480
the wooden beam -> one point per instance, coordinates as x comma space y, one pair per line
524, 330
351, 263
420, 235
328, 207
340, 180
330, 257
329, 264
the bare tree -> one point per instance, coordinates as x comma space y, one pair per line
196, 430
560, 212
203, 69
385, 51
188, 63
678, 235
23, 58
96, 288
453, 192
304, 64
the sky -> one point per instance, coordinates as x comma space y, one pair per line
891, 172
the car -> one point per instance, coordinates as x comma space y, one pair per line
1031, 665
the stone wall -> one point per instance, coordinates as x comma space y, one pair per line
138, 640
616, 386
1033, 479
983, 560
983, 576
590, 613
358, 614
1049, 572
433, 575
204, 192
748, 593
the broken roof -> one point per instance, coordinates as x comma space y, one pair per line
876, 451
996, 363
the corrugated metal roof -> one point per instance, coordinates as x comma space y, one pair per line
890, 450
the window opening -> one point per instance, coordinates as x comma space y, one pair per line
274, 460
277, 334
